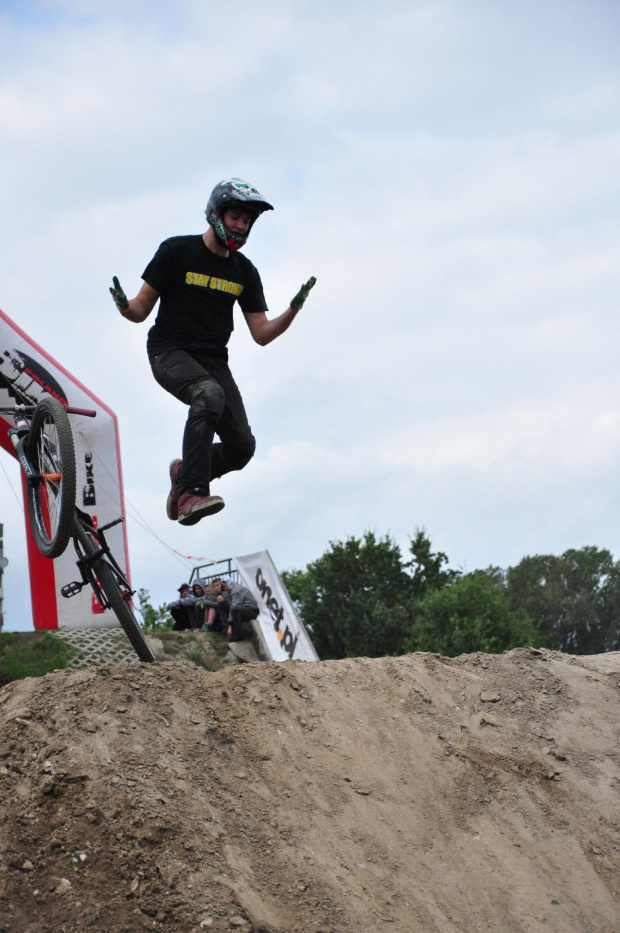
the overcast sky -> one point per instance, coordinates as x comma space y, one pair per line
448, 170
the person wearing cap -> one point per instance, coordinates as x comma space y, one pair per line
197, 280
182, 609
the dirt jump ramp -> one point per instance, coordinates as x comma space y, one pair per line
407, 795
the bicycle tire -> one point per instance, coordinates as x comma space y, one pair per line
110, 586
122, 611
51, 501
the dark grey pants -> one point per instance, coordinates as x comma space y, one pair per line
239, 615
215, 407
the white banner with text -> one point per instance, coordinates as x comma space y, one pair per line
283, 630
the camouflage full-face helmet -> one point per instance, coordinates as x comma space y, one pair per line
230, 194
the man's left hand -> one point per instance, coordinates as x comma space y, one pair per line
298, 301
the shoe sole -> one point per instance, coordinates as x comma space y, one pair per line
172, 505
194, 517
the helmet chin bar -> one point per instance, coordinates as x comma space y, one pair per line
228, 239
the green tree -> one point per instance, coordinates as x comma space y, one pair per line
153, 619
427, 568
471, 613
361, 598
574, 599
352, 599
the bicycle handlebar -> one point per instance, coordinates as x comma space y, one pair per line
81, 411
28, 409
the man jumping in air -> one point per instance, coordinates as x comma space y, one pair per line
198, 279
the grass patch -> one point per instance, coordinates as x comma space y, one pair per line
170, 647
198, 658
31, 655
207, 650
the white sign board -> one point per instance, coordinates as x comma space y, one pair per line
282, 629
26, 373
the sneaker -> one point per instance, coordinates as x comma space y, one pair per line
194, 507
172, 503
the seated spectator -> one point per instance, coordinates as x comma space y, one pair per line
180, 609
208, 607
216, 614
241, 607
196, 598
227, 606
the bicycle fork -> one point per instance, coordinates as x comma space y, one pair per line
18, 437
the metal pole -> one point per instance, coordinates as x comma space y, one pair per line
3, 563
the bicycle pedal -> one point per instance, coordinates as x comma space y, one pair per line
71, 589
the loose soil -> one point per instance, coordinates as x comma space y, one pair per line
407, 795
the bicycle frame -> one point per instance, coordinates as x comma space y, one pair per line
85, 562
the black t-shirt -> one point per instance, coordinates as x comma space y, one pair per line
198, 290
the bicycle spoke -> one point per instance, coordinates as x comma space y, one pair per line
51, 472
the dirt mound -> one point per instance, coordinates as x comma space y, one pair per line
400, 794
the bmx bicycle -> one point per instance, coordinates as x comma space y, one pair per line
43, 443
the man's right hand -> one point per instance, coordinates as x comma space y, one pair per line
119, 296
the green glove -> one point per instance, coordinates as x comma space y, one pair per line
302, 294
119, 296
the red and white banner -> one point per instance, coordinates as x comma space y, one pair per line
282, 629
26, 372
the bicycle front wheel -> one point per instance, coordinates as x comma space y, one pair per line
122, 610
113, 592
51, 498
